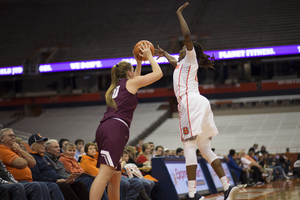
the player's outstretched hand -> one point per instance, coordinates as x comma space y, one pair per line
179, 11
159, 52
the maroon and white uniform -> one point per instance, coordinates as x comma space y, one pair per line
113, 132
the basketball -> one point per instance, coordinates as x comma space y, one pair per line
136, 49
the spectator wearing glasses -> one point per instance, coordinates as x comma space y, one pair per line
18, 161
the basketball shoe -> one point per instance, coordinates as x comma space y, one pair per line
196, 197
231, 193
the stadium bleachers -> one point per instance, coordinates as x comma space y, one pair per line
276, 131
82, 122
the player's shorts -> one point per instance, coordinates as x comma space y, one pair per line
111, 137
196, 117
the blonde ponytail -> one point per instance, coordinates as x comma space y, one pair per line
117, 71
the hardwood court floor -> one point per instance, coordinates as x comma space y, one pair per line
277, 190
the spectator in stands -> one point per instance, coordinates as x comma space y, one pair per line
132, 157
283, 163
257, 169
233, 166
65, 169
255, 146
18, 162
195, 115
273, 161
166, 152
43, 171
263, 150
113, 132
139, 146
159, 151
62, 143
18, 190
276, 171
288, 156
145, 186
152, 148
21, 143
145, 154
88, 163
179, 152
172, 153
79, 148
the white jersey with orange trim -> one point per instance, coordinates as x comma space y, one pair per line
195, 115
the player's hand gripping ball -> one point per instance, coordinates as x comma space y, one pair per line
137, 51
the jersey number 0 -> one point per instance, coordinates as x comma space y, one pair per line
116, 92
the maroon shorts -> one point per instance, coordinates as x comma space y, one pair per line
111, 137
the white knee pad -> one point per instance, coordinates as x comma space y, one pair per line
205, 149
190, 152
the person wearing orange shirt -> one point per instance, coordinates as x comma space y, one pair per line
88, 161
67, 158
17, 162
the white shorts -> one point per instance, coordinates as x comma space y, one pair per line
196, 117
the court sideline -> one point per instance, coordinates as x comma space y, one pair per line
277, 190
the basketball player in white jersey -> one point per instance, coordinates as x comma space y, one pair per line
196, 122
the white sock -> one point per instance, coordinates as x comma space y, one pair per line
192, 188
225, 182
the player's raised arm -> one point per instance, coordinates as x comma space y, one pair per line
140, 81
162, 53
184, 27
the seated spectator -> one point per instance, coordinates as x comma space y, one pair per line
172, 153
257, 169
273, 161
166, 152
278, 171
147, 185
179, 152
263, 150
132, 157
16, 190
144, 156
255, 146
17, 162
88, 161
238, 170
282, 161
152, 149
43, 171
159, 151
134, 181
65, 164
288, 156
62, 143
79, 148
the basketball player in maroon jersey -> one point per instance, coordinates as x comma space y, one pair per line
113, 132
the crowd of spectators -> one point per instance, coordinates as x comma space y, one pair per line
59, 170
52, 169
258, 167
